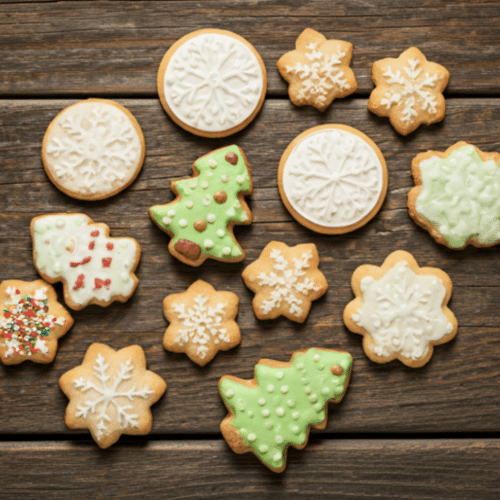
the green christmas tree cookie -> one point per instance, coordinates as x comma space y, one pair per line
277, 407
208, 205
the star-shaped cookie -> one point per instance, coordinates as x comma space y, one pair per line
201, 322
318, 70
285, 280
110, 393
408, 90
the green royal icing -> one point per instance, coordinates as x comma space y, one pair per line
197, 203
287, 400
460, 197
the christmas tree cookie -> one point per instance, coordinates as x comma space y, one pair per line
208, 204
277, 408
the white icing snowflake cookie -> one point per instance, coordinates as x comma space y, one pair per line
94, 268
201, 322
318, 70
212, 82
110, 393
401, 310
408, 90
93, 149
332, 179
285, 281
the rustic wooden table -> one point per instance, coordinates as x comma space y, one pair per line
399, 433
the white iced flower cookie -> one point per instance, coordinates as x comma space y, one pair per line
93, 149
401, 310
332, 179
110, 393
212, 82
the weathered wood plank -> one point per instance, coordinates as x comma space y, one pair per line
341, 469
115, 48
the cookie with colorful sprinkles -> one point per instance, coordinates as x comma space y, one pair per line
31, 322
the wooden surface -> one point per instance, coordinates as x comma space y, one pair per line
439, 423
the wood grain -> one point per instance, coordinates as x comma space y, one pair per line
115, 47
456, 392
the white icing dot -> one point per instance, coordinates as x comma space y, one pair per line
263, 448
290, 403
250, 413
229, 393
211, 218
220, 233
269, 425
183, 223
280, 411
356, 318
189, 204
265, 413
204, 184
325, 390
171, 213
125, 277
278, 439
277, 457
295, 429
167, 220
261, 401
239, 179
279, 375
244, 217
60, 223
231, 212
295, 415
252, 437
226, 250
208, 244
225, 178
308, 389
206, 201
313, 398
317, 357
284, 389
57, 267
212, 163
270, 388
300, 366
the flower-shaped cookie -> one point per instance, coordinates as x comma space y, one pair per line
285, 280
401, 310
201, 322
318, 70
110, 393
408, 90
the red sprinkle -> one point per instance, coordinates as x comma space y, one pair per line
79, 282
91, 245
106, 262
30, 313
18, 292
7, 314
94, 234
99, 283
110, 246
86, 260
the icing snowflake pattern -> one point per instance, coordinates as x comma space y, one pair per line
106, 394
213, 82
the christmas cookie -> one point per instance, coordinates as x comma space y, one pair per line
31, 321
94, 268
401, 310
277, 407
208, 205
456, 195
318, 70
201, 322
110, 393
332, 179
285, 281
93, 149
408, 90
212, 82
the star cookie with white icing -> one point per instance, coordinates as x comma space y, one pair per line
408, 90
401, 310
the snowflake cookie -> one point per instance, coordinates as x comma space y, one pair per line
332, 179
277, 408
408, 90
93, 149
318, 70
455, 196
401, 310
285, 281
212, 82
31, 321
94, 268
208, 205
110, 393
201, 322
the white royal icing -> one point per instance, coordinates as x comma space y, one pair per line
333, 178
213, 82
403, 312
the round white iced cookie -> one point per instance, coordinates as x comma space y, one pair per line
332, 179
212, 82
93, 149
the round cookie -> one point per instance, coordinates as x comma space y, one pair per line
212, 82
93, 149
332, 179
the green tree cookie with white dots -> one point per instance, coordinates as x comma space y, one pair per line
208, 205
277, 408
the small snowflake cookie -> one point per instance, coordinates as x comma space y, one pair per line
332, 179
93, 149
318, 70
94, 268
401, 310
408, 90
208, 205
212, 82
201, 322
277, 408
285, 281
456, 196
110, 393
31, 321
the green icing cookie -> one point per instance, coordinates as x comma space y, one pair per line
286, 401
207, 202
460, 197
